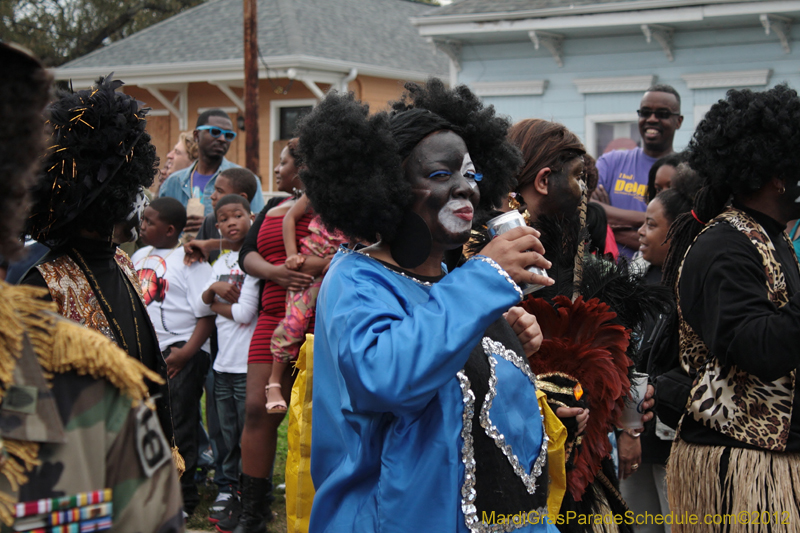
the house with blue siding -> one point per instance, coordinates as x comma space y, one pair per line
586, 63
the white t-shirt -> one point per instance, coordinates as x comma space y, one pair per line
233, 336
172, 292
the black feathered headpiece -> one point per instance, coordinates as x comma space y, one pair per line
94, 132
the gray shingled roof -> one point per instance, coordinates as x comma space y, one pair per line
467, 7
369, 32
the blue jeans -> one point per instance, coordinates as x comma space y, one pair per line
229, 392
223, 483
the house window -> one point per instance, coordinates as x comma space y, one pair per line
700, 113
615, 131
616, 136
289, 117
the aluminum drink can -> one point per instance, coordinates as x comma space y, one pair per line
508, 221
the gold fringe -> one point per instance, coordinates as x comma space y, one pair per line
180, 464
87, 352
27, 454
757, 481
8, 509
22, 311
22, 458
21, 308
60, 346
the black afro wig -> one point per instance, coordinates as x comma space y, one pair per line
353, 161
98, 157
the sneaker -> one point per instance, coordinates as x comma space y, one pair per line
206, 459
221, 502
227, 519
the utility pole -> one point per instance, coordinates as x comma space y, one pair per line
251, 147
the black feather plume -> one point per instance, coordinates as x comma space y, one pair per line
627, 293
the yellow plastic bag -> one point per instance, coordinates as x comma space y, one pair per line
556, 457
299, 487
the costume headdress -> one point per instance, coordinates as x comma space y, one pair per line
94, 133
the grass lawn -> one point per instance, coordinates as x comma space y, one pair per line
208, 492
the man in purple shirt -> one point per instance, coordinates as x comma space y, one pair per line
622, 188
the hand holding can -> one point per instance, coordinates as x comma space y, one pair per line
504, 223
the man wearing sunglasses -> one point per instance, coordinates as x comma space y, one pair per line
622, 188
195, 185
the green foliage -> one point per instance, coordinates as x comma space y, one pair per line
61, 30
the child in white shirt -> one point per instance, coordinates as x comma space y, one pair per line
234, 297
171, 291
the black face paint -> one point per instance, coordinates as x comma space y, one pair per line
444, 182
567, 186
413, 243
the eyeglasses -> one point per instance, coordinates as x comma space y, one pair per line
216, 132
661, 114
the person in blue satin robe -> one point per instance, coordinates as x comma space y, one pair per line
425, 412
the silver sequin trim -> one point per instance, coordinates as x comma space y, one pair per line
415, 280
500, 270
468, 491
492, 348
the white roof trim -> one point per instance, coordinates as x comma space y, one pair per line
509, 88
229, 70
614, 84
572, 10
735, 78
576, 19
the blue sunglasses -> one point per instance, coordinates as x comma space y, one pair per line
216, 132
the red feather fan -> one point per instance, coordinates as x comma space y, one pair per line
581, 341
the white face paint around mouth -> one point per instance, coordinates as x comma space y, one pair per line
451, 221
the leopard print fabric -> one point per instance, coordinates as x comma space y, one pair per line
724, 398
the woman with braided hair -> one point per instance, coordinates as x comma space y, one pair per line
737, 283
426, 417
643, 455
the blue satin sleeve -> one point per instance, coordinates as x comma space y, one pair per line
397, 348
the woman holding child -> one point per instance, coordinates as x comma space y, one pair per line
425, 412
263, 256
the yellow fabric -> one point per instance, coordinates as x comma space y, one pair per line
299, 487
556, 456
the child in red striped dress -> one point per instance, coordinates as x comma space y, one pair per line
290, 332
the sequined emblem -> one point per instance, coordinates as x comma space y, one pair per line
494, 349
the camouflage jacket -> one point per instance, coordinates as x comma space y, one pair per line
73, 420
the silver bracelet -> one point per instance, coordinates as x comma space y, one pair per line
500, 270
